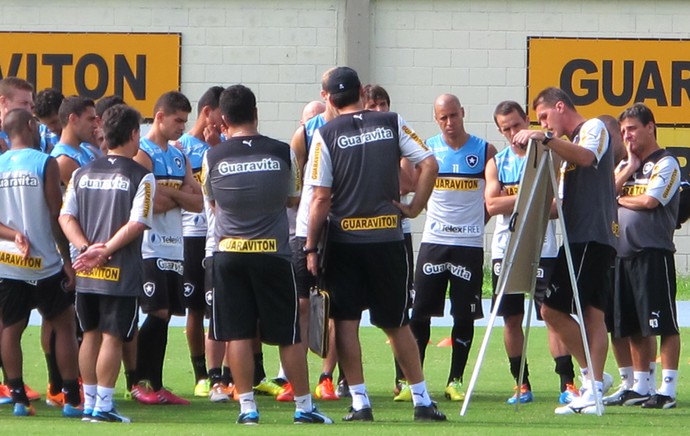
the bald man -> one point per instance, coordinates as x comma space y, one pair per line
452, 250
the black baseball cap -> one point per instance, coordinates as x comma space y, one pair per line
342, 79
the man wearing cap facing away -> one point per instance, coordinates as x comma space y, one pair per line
353, 166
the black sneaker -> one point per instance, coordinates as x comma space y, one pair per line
249, 418
659, 401
428, 413
632, 398
363, 414
343, 390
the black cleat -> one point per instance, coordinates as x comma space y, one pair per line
632, 398
659, 401
428, 413
364, 415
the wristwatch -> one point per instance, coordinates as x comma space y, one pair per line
548, 136
306, 250
83, 248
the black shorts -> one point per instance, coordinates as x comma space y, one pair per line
251, 287
303, 278
116, 316
368, 276
193, 293
437, 266
163, 286
514, 304
18, 298
644, 299
592, 264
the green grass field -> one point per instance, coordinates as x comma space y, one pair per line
488, 412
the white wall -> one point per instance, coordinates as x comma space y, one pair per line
416, 49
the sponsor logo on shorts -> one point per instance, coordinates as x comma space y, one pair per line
188, 289
462, 229
248, 245
149, 289
17, 260
170, 265
457, 270
208, 296
30, 282
372, 223
455, 184
266, 164
497, 268
380, 134
111, 274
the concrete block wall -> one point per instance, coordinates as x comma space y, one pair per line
416, 49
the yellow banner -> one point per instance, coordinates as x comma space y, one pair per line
137, 66
605, 76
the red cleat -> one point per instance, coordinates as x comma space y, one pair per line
286, 394
167, 397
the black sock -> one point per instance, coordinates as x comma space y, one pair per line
71, 390
421, 329
54, 377
153, 340
515, 371
17, 391
199, 365
398, 372
324, 376
564, 368
215, 375
227, 376
259, 372
130, 378
462, 335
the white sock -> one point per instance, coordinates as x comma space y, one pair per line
668, 382
626, 374
641, 385
303, 403
420, 396
281, 373
652, 378
89, 396
247, 403
360, 398
104, 399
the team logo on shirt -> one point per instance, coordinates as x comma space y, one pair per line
178, 162
647, 167
188, 289
208, 296
149, 289
472, 160
13, 259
